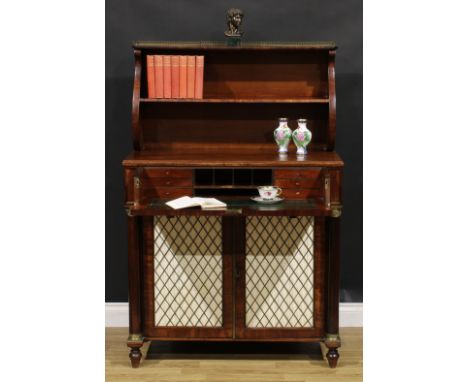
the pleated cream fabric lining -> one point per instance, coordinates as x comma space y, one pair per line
279, 272
188, 271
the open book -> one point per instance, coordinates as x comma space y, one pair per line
210, 204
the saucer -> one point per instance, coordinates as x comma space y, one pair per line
258, 199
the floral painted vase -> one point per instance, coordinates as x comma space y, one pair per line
282, 135
302, 137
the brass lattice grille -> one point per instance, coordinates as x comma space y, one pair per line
188, 271
279, 272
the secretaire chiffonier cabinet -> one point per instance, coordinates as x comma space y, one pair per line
252, 272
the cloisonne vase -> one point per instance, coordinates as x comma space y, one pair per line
302, 137
282, 135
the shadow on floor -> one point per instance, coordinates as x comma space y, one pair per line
233, 350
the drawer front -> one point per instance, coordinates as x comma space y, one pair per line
293, 174
165, 193
301, 193
298, 183
167, 173
167, 182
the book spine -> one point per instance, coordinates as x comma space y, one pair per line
199, 68
150, 76
175, 62
191, 77
158, 76
167, 76
183, 77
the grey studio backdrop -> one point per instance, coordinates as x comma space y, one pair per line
273, 20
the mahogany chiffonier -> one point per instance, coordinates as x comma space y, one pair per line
252, 272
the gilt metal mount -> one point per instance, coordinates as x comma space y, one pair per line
136, 337
137, 182
336, 210
332, 340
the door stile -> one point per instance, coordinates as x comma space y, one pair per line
239, 278
228, 270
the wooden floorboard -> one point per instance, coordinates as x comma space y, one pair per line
174, 366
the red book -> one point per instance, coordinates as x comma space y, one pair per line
150, 76
158, 76
191, 77
175, 76
183, 77
199, 66
167, 76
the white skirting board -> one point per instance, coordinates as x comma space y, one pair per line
117, 314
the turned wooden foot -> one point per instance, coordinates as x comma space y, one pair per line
332, 342
135, 342
135, 356
332, 357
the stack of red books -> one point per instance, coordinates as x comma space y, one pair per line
175, 76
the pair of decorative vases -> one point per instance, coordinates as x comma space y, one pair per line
301, 136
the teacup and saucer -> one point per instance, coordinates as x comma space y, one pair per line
268, 195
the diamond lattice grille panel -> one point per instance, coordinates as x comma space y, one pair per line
279, 272
188, 271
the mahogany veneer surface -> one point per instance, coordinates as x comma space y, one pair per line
223, 146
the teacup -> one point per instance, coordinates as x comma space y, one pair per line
269, 192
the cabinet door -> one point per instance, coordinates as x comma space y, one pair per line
280, 278
187, 269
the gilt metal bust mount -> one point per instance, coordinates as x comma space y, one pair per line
234, 20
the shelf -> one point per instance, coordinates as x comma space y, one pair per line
245, 45
231, 159
226, 187
235, 100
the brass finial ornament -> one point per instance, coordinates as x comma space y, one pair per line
234, 20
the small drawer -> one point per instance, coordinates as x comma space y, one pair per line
301, 193
167, 173
298, 183
293, 174
166, 193
170, 193
168, 182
